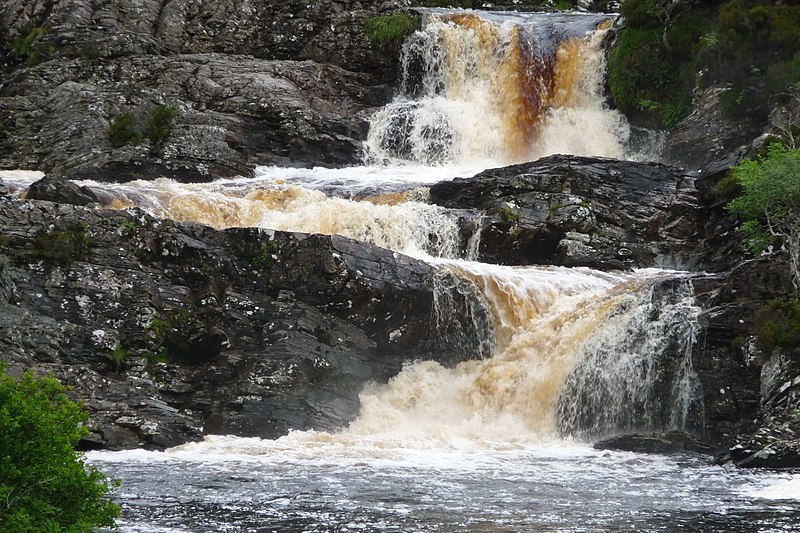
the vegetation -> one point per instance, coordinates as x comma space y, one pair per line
45, 486
159, 123
65, 247
752, 46
118, 355
22, 46
127, 128
170, 335
770, 202
777, 327
258, 252
391, 29
124, 131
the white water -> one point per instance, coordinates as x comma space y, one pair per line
499, 89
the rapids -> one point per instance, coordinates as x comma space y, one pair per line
502, 441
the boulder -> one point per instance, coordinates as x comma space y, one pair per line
581, 211
669, 442
55, 189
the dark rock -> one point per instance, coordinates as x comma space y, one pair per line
669, 442
577, 211
233, 112
239, 75
710, 137
775, 442
55, 189
3, 188
169, 331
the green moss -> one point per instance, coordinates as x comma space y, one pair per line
256, 251
638, 69
391, 29
169, 335
508, 215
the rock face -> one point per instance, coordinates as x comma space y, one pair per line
264, 82
577, 211
711, 138
167, 331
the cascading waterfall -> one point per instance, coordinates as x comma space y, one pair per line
499, 88
398, 220
580, 353
552, 357
563, 351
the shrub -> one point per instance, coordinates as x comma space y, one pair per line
391, 29
159, 123
777, 327
127, 129
23, 44
124, 131
44, 483
770, 203
641, 13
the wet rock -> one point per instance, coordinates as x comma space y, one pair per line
169, 331
55, 189
669, 442
231, 113
577, 211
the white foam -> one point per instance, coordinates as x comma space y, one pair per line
784, 487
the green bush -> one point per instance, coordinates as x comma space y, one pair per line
777, 327
770, 202
159, 123
22, 45
45, 486
750, 45
641, 13
391, 29
128, 129
124, 131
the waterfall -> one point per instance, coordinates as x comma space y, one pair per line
489, 89
401, 220
549, 351
575, 352
636, 373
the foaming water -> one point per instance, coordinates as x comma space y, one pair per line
385, 213
322, 482
545, 322
19, 180
497, 88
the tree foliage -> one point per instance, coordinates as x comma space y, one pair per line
45, 486
770, 202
